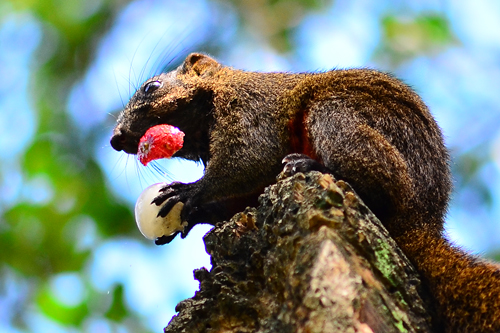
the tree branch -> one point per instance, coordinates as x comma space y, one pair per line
310, 258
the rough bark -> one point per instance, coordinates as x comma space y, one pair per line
310, 258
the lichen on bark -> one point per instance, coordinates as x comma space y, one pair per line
310, 258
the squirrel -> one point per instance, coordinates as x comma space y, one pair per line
363, 126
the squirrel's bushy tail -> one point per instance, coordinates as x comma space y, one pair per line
466, 288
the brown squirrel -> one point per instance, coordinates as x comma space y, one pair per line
363, 126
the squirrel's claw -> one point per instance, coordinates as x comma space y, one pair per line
295, 163
172, 194
166, 239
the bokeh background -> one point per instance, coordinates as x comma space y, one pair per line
71, 258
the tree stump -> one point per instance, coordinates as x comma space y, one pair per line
310, 258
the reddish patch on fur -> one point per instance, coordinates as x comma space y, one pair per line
299, 137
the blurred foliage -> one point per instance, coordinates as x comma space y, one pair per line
467, 170
405, 37
36, 242
274, 21
67, 315
40, 239
117, 310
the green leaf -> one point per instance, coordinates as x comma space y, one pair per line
117, 310
407, 37
67, 315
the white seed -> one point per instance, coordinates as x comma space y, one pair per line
146, 215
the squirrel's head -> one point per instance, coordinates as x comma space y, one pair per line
180, 98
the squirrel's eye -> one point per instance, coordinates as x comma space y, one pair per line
152, 86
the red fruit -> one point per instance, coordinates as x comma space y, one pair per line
160, 141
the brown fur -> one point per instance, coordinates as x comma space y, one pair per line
366, 127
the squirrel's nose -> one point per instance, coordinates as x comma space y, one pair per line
117, 140
124, 140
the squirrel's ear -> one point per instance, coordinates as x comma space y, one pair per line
200, 64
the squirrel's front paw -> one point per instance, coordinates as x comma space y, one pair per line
295, 163
171, 195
